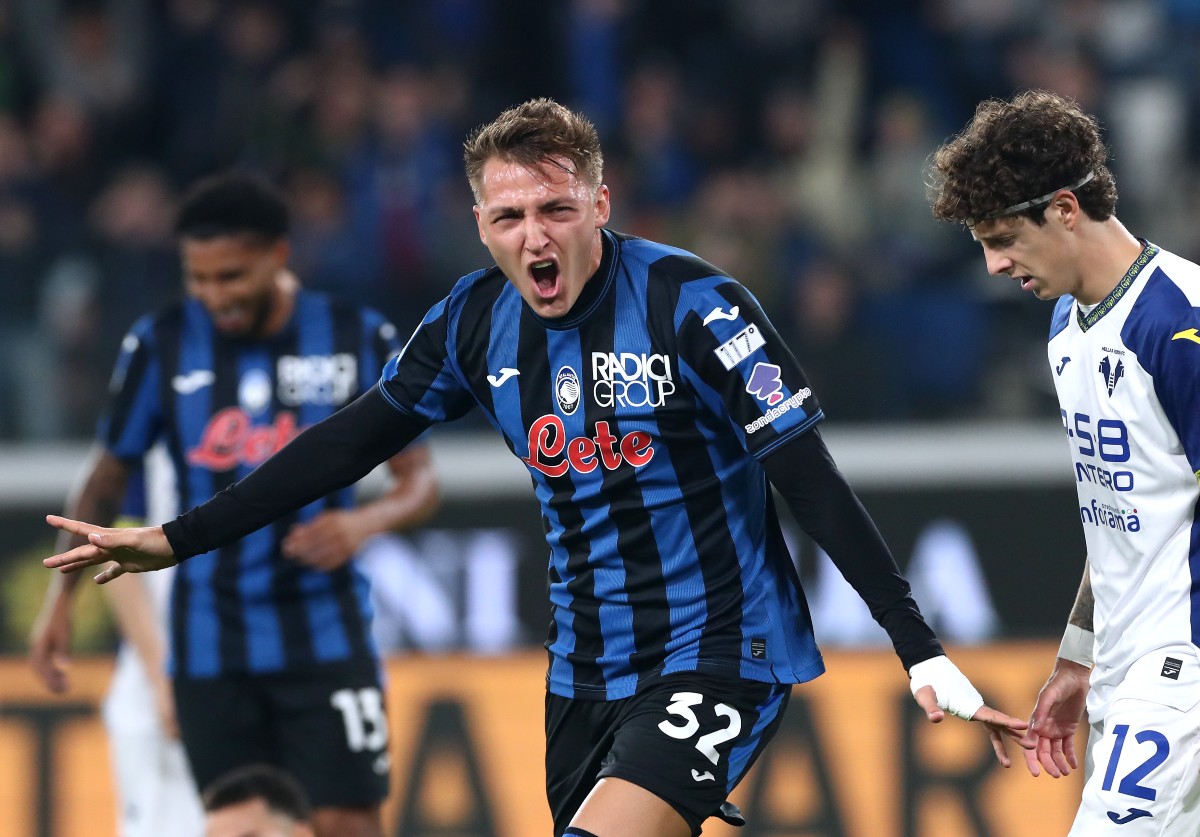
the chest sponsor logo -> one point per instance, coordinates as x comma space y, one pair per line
231, 439
628, 379
1103, 515
1111, 373
317, 379
566, 390
739, 347
552, 453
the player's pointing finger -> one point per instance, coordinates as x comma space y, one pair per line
75, 527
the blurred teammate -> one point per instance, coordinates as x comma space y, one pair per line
256, 801
156, 795
653, 404
1029, 179
271, 654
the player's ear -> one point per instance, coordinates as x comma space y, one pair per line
1065, 207
603, 207
479, 223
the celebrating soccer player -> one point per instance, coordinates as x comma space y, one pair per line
654, 405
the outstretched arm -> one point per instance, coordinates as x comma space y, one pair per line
329, 455
804, 473
1060, 703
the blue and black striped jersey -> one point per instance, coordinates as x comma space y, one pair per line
642, 417
223, 406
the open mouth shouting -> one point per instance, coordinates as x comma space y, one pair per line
545, 278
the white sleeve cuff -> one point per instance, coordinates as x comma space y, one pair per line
1078, 646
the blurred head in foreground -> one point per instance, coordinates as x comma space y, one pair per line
256, 801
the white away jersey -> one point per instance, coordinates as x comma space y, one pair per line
1128, 381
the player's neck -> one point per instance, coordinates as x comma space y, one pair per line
1107, 251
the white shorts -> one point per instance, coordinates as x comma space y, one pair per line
156, 795
1142, 777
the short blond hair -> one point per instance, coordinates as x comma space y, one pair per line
533, 134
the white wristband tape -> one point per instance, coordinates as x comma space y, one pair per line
1078, 646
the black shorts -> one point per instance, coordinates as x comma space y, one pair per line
325, 724
687, 738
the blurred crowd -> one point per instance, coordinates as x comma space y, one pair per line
783, 140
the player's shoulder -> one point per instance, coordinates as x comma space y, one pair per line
479, 289
311, 303
1172, 279
1170, 296
1062, 314
665, 262
1167, 308
153, 326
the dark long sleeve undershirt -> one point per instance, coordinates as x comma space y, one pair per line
805, 475
330, 455
345, 447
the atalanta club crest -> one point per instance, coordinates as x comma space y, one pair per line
566, 390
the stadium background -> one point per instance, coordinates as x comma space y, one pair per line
781, 139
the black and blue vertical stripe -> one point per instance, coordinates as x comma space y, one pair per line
218, 405
665, 553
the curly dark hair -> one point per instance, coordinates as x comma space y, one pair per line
233, 202
534, 133
1016, 151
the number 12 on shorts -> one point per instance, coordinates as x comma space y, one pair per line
1131, 784
681, 704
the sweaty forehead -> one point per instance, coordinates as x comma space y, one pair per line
506, 181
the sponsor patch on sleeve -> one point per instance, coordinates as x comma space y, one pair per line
739, 347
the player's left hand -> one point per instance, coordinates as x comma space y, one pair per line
324, 543
939, 687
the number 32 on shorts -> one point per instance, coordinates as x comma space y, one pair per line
681, 705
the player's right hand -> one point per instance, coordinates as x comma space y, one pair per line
1055, 720
50, 644
133, 550
164, 704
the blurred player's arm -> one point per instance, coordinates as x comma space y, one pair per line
826, 507
1060, 703
140, 626
332, 454
97, 495
334, 536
